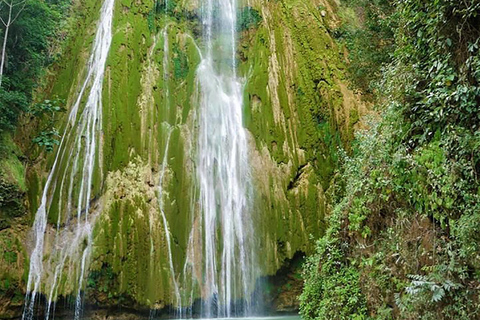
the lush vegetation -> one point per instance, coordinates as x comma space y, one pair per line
403, 238
32, 41
30, 46
368, 31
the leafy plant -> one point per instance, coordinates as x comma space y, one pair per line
165, 6
407, 200
12, 103
248, 18
180, 64
48, 139
368, 31
332, 288
423, 285
27, 53
47, 107
45, 112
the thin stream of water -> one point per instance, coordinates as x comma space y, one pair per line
77, 159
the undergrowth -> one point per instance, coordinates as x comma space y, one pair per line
402, 239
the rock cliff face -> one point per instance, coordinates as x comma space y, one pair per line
297, 111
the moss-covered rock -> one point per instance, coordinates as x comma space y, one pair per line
13, 259
12, 183
299, 111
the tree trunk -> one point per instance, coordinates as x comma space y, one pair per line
4, 48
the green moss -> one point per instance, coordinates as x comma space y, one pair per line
11, 253
127, 233
180, 62
65, 74
120, 110
12, 183
293, 46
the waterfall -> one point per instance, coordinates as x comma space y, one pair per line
71, 179
220, 260
222, 170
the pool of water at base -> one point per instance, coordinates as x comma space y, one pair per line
289, 317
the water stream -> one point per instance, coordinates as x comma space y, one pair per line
68, 190
223, 171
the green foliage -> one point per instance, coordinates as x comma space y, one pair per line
165, 6
12, 182
368, 31
47, 107
12, 188
11, 196
162, 8
28, 52
180, 64
424, 285
9, 255
440, 42
101, 280
45, 112
12, 103
436, 289
332, 288
248, 18
408, 201
47, 139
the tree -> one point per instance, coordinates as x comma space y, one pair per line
14, 8
33, 29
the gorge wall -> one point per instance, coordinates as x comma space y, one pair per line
297, 111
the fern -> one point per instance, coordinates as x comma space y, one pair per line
421, 284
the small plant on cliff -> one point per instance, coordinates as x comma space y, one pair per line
45, 112
12, 103
368, 32
248, 18
165, 7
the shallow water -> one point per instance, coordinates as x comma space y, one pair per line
290, 317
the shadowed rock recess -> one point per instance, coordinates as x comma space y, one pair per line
142, 208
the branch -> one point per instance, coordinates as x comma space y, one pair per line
9, 4
19, 3
23, 3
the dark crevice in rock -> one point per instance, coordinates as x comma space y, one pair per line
300, 171
280, 292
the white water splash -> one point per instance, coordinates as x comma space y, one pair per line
76, 159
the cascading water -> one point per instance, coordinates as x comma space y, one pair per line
219, 259
69, 186
228, 269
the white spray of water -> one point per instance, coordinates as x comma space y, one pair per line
77, 154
